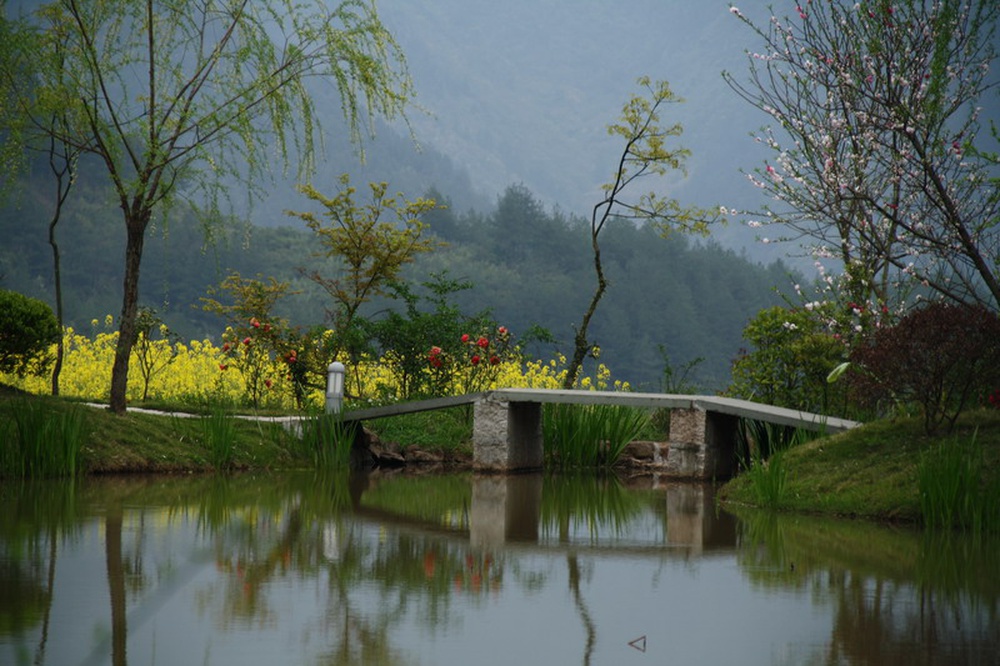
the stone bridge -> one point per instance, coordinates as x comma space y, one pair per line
507, 425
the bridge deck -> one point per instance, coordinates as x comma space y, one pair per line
730, 406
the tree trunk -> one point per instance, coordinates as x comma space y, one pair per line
136, 226
65, 174
116, 583
581, 347
57, 277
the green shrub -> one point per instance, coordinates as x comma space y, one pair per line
942, 357
433, 348
27, 330
792, 354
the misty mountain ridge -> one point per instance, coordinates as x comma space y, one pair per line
522, 93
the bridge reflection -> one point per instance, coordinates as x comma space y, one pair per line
535, 510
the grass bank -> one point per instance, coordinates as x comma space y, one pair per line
140, 442
185, 438
872, 471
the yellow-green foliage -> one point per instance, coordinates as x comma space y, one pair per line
196, 374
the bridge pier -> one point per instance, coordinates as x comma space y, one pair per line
702, 444
507, 437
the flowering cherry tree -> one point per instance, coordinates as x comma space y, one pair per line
879, 155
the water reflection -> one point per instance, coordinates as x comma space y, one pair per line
301, 568
899, 596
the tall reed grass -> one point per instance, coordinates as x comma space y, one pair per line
953, 494
580, 436
761, 448
327, 440
768, 479
41, 440
219, 433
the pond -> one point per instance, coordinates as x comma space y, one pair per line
464, 569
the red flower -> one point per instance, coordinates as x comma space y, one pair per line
223, 366
435, 361
475, 359
465, 337
267, 328
267, 383
225, 347
435, 351
494, 360
482, 342
502, 330
246, 340
254, 322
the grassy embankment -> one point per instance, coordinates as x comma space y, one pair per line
874, 471
172, 443
871, 472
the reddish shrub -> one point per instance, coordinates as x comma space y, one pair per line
942, 356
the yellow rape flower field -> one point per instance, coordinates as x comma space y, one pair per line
199, 372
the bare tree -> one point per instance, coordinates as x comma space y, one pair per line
644, 154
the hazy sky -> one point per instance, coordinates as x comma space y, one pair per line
522, 91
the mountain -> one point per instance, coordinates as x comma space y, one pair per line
521, 92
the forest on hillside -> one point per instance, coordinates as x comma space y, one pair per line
669, 298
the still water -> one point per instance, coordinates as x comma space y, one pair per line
462, 569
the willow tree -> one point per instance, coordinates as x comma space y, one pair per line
188, 100
645, 154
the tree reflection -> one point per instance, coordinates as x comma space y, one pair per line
116, 582
34, 517
316, 532
899, 597
590, 630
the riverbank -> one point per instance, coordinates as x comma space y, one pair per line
870, 472
164, 441
873, 471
